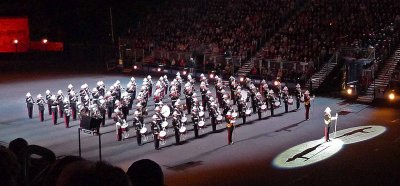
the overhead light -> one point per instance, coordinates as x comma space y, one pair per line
211, 75
159, 69
44, 41
276, 82
391, 96
349, 91
15, 41
134, 67
184, 72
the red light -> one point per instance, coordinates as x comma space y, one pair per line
44, 41
15, 41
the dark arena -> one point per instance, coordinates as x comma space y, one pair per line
199, 92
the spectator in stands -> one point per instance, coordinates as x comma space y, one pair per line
145, 172
9, 167
92, 173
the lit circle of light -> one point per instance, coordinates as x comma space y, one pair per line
307, 153
357, 134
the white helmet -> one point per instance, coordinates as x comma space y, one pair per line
144, 80
148, 77
53, 97
307, 92
201, 75
271, 91
117, 82
202, 83
258, 94
239, 87
70, 86
138, 105
102, 101
95, 90
208, 92
99, 83
117, 102
177, 103
132, 79
47, 92
86, 85
59, 92
154, 116
178, 74
165, 77
228, 113
112, 87
117, 110
108, 93
298, 85
39, 96
285, 88
161, 78
83, 86
28, 94
328, 110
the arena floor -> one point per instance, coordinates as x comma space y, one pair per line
280, 150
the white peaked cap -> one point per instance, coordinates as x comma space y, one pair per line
307, 92
28, 94
285, 88
154, 116
39, 96
98, 83
138, 105
117, 82
59, 92
53, 97
72, 93
161, 78
95, 90
83, 86
70, 86
47, 91
271, 91
328, 110
149, 77
132, 79
165, 77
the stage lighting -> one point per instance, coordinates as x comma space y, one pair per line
276, 82
44, 41
15, 41
211, 75
391, 96
134, 67
158, 69
184, 72
241, 79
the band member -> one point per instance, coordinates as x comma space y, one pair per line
174, 95
131, 91
253, 93
138, 126
95, 96
166, 84
328, 121
156, 129
188, 94
219, 89
67, 112
48, 99
261, 88
298, 96
54, 111
125, 100
103, 108
72, 101
271, 101
70, 88
237, 94
177, 121
203, 78
242, 109
101, 88
203, 91
117, 89
150, 85
213, 114
157, 97
140, 110
285, 96
109, 104
40, 102
121, 125
229, 126
195, 120
60, 100
233, 87
307, 103
226, 104
259, 104
266, 94
83, 92
29, 104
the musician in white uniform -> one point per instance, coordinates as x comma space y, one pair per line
40, 102
328, 122
285, 95
29, 104
138, 126
298, 96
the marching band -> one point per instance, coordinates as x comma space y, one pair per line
116, 103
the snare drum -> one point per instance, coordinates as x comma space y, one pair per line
277, 104
219, 118
201, 113
201, 123
290, 101
164, 124
235, 114
143, 130
182, 129
248, 112
162, 134
184, 119
263, 107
